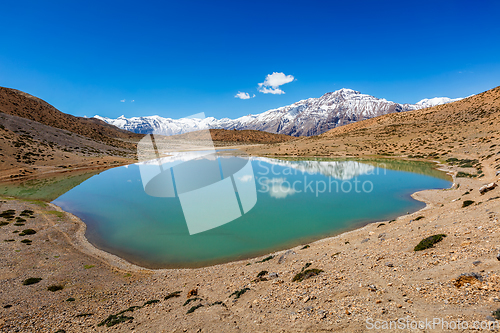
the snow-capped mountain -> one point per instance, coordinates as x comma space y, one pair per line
427, 103
311, 116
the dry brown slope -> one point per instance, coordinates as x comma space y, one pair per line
469, 128
21, 104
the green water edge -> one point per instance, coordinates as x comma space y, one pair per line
50, 188
46, 188
428, 168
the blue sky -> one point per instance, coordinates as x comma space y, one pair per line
179, 58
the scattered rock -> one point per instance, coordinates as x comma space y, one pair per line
284, 256
192, 292
372, 287
389, 264
475, 263
273, 275
365, 240
470, 278
486, 188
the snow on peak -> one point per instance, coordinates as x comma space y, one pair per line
310, 116
429, 102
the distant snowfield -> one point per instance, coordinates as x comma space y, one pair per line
308, 117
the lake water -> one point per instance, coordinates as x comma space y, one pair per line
296, 202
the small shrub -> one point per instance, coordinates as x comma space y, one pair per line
266, 259
26, 241
88, 266
129, 309
174, 294
194, 308
3, 223
29, 281
261, 274
429, 242
461, 174
189, 300
27, 232
418, 218
238, 293
71, 299
306, 274
84, 315
467, 203
153, 301
305, 247
55, 288
114, 320
496, 314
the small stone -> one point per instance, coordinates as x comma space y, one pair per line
475, 263
490, 318
389, 264
371, 287
498, 257
365, 240
273, 275
378, 301
192, 292
399, 306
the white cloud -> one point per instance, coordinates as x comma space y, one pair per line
279, 188
274, 91
132, 101
243, 95
122, 100
273, 81
280, 191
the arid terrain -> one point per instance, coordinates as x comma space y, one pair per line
372, 272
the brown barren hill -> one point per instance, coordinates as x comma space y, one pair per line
21, 104
469, 128
37, 139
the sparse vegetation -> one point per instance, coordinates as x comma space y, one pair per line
55, 288
114, 320
31, 281
27, 232
172, 295
189, 300
265, 259
194, 308
238, 293
306, 274
467, 203
429, 242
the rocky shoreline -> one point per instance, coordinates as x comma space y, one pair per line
371, 272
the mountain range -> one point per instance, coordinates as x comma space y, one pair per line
307, 117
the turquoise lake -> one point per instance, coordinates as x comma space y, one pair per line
291, 208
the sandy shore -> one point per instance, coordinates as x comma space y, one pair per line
371, 272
